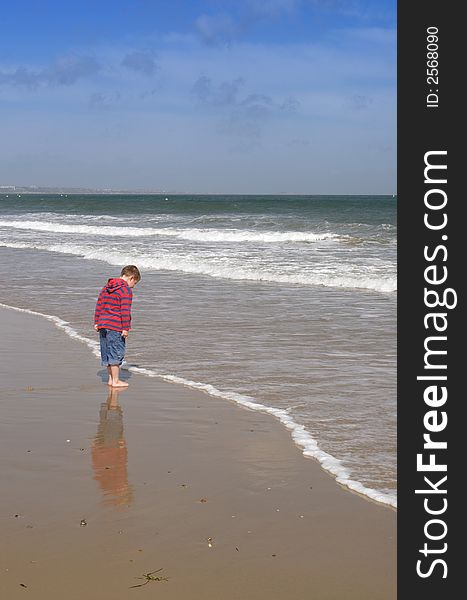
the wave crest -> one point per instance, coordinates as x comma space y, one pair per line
193, 234
224, 270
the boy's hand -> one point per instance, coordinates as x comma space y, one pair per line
96, 327
124, 333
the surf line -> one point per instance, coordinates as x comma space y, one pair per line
438, 299
299, 434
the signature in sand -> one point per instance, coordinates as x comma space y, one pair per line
150, 577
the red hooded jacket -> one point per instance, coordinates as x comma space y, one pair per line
113, 308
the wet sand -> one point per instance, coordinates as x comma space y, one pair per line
99, 488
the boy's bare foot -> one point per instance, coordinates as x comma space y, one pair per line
119, 384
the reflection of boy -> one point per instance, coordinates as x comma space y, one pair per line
112, 319
110, 455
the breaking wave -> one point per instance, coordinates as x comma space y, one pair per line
198, 235
226, 269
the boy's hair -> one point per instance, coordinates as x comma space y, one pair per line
131, 271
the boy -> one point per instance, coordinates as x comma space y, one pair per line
112, 319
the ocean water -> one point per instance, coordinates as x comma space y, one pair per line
284, 304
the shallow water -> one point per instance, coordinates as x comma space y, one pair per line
286, 303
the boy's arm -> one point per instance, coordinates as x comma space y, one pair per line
97, 312
126, 299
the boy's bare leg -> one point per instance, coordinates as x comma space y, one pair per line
115, 376
110, 375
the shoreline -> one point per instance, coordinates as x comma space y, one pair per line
301, 438
183, 467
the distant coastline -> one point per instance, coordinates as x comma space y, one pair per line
34, 189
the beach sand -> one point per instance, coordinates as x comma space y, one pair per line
100, 488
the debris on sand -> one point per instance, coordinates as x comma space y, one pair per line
150, 577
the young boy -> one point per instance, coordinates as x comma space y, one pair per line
112, 319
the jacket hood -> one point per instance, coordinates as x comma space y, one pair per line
115, 283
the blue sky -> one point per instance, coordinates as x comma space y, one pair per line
215, 96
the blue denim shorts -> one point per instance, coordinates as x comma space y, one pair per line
112, 347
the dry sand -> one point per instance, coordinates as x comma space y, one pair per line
155, 472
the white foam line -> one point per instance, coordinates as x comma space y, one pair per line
200, 235
212, 268
61, 324
300, 435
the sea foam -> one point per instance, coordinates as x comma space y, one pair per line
300, 435
194, 265
193, 234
